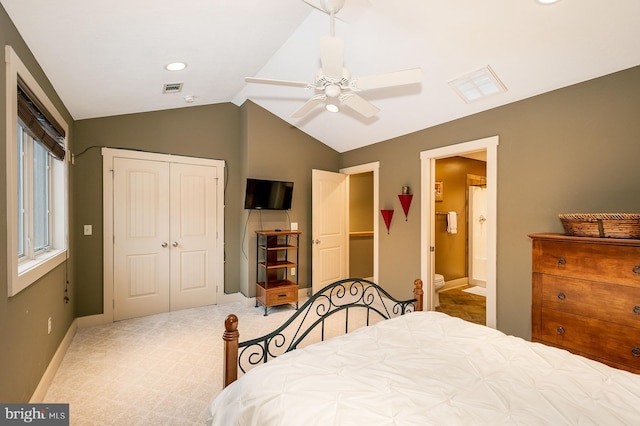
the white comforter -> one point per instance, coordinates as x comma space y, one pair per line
427, 368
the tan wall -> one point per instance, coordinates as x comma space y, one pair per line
570, 150
361, 220
451, 249
26, 348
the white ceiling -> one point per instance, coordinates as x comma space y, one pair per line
107, 57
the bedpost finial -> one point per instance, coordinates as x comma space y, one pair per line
231, 323
418, 293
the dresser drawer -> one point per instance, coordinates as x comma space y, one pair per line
602, 339
608, 302
597, 262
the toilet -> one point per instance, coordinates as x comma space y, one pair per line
438, 283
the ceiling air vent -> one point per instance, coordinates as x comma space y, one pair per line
172, 88
477, 85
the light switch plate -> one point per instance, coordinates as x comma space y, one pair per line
294, 226
88, 230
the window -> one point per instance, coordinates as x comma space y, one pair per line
36, 179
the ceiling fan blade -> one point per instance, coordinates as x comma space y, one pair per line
279, 82
331, 57
397, 78
359, 104
309, 105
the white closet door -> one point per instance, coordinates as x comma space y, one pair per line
141, 237
193, 236
329, 228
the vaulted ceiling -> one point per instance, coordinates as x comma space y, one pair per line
107, 58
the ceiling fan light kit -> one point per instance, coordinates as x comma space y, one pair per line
333, 82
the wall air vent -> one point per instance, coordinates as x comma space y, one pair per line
172, 88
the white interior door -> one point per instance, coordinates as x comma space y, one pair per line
478, 236
193, 236
141, 238
329, 220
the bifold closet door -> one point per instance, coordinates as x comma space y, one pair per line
164, 236
141, 245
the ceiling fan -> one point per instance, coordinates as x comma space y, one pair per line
334, 85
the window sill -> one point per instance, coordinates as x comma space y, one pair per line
32, 270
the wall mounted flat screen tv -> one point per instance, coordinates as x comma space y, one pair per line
268, 195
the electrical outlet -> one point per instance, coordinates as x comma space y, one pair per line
293, 272
49, 326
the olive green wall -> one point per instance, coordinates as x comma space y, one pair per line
571, 150
277, 150
26, 348
211, 131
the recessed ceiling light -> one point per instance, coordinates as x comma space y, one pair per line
477, 85
547, 1
175, 66
332, 108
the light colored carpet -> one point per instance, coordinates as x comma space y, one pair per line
158, 370
477, 290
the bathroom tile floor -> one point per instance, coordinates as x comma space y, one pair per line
458, 303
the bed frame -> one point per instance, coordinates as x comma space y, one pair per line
341, 296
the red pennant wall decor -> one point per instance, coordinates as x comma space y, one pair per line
387, 215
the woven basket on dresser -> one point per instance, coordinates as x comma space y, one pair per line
603, 225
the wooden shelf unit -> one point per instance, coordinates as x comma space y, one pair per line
277, 253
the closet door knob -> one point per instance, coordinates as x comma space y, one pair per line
175, 244
164, 245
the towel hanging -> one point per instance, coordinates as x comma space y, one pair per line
452, 222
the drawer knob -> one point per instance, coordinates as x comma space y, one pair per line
562, 296
562, 261
636, 270
560, 331
636, 310
635, 351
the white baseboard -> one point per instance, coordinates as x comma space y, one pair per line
41, 391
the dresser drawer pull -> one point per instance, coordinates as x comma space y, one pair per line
562, 261
636, 269
635, 351
562, 296
282, 295
560, 330
636, 310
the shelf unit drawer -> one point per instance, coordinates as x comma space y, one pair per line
601, 339
277, 294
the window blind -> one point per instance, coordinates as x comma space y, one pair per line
39, 122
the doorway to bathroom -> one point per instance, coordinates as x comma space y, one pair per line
447, 251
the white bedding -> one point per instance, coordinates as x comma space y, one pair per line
427, 368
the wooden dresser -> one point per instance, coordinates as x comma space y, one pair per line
586, 297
